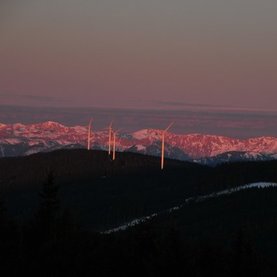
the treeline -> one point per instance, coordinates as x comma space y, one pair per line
52, 243
228, 175
79, 165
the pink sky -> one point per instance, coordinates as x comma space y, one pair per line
134, 54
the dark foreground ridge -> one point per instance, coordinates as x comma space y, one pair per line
53, 206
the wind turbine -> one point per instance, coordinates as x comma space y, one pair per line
89, 133
110, 136
163, 139
114, 142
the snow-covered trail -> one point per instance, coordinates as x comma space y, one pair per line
143, 219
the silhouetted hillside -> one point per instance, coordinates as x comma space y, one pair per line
51, 204
104, 193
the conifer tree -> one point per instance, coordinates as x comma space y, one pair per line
48, 215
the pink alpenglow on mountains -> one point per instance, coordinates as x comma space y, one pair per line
19, 139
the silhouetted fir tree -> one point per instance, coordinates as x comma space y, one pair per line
48, 217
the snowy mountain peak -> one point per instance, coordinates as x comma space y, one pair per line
51, 124
147, 134
18, 125
52, 135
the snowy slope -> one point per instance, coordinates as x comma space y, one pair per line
134, 222
201, 148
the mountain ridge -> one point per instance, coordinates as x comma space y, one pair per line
20, 139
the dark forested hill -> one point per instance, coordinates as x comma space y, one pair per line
51, 204
104, 193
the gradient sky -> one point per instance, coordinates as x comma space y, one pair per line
239, 124
141, 53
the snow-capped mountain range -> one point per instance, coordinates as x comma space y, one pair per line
19, 139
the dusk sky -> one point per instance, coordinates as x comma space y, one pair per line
139, 54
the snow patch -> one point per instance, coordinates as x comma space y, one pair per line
134, 222
131, 224
232, 190
140, 147
12, 141
142, 134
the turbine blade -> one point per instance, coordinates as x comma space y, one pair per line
169, 126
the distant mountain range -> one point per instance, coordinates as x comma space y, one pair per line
20, 140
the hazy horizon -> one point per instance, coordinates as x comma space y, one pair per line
240, 124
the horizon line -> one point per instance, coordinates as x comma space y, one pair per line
187, 107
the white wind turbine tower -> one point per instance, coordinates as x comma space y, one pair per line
114, 143
110, 136
163, 139
89, 133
